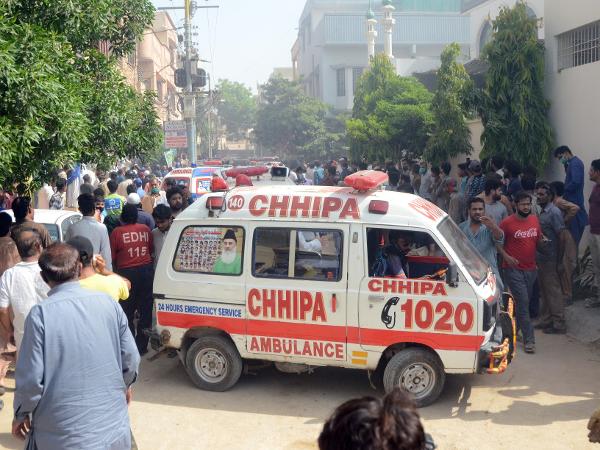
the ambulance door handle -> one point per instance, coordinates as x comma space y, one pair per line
333, 302
376, 298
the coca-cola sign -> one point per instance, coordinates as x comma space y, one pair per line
524, 234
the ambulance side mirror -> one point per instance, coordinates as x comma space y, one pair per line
452, 275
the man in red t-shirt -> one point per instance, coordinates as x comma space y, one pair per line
131, 247
522, 234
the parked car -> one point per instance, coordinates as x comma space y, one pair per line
57, 222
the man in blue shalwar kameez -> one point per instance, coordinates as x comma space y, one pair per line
77, 362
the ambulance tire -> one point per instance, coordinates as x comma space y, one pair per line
213, 363
417, 371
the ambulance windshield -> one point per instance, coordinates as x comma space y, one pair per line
468, 255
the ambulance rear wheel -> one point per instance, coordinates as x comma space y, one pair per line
213, 363
418, 372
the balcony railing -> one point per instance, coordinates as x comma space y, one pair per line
409, 29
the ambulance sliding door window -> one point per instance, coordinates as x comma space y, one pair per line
212, 250
271, 253
308, 254
389, 251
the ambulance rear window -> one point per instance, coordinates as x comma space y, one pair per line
213, 250
307, 254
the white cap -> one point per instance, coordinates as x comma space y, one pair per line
133, 199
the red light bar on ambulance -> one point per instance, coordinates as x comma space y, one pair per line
364, 180
378, 207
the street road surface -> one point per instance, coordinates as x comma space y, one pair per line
542, 402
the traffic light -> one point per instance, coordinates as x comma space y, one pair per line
199, 79
180, 78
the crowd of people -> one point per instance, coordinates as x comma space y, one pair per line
527, 229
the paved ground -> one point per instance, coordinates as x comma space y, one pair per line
543, 402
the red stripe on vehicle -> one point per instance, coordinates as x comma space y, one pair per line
331, 333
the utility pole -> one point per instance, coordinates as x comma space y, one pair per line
189, 94
190, 105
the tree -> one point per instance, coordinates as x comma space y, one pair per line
43, 122
391, 114
237, 108
62, 101
513, 108
289, 121
451, 135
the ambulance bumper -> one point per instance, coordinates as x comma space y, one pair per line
496, 354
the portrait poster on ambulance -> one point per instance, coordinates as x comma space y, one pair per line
215, 250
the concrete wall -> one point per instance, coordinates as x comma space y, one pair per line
575, 92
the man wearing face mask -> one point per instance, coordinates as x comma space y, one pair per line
522, 234
575, 176
154, 197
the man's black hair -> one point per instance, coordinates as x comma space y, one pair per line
521, 195
475, 200
596, 165
87, 178
558, 187
446, 167
491, 184
173, 191
87, 204
112, 186
394, 177
98, 192
161, 212
60, 184
559, 151
528, 183
513, 167
497, 161
129, 215
131, 188
5, 223
20, 207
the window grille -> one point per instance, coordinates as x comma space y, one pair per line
341, 82
579, 46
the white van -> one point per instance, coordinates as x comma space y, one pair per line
308, 276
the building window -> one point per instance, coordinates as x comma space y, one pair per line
341, 82
580, 46
132, 58
356, 74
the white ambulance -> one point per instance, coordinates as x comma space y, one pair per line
307, 276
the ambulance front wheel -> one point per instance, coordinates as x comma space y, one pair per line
417, 371
213, 363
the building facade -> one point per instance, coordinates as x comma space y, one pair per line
331, 51
573, 79
156, 63
481, 14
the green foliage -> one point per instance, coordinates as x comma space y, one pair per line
84, 23
391, 114
451, 135
43, 124
237, 108
61, 101
288, 121
513, 108
123, 122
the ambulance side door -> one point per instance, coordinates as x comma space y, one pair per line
296, 292
410, 309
